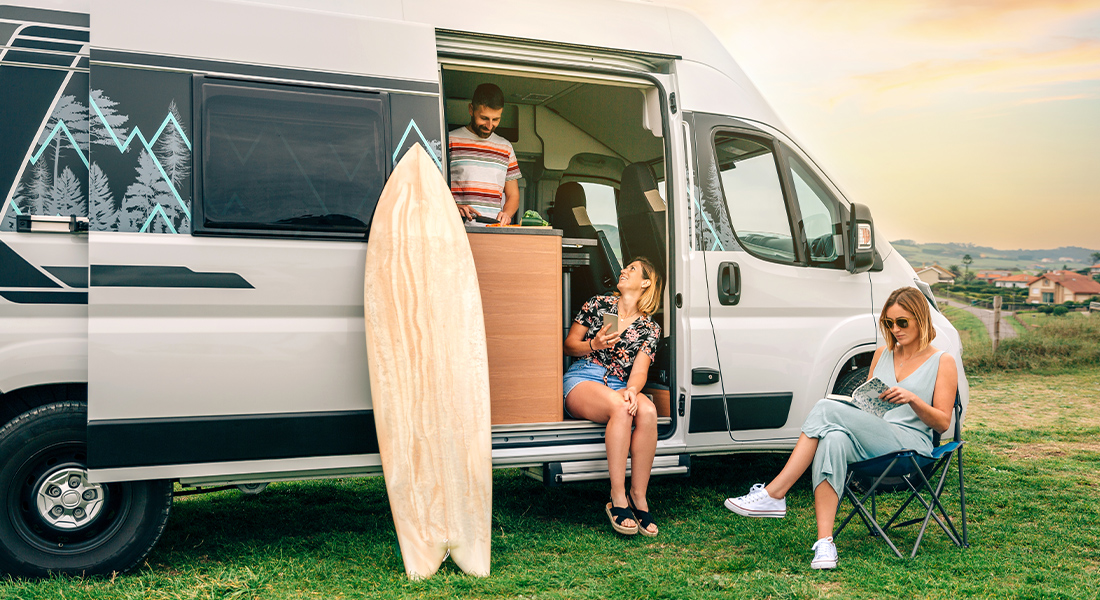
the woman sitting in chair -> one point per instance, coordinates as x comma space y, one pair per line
922, 382
605, 385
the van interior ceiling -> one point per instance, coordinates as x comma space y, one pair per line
584, 142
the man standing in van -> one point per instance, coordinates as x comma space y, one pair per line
484, 170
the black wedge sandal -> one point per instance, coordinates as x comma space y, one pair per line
642, 518
619, 514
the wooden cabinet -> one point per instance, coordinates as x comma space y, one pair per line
520, 279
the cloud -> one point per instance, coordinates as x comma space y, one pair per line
952, 19
1000, 71
1056, 99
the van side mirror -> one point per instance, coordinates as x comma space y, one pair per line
860, 239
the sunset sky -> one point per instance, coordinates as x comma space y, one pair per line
953, 120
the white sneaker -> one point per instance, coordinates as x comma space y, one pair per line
824, 554
757, 503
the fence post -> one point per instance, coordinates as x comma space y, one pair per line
996, 321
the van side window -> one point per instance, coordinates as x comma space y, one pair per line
820, 214
749, 177
280, 158
600, 203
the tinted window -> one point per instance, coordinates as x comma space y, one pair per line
820, 215
749, 177
600, 204
282, 158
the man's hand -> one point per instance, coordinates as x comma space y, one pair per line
504, 218
468, 213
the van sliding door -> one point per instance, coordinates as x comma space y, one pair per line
231, 204
782, 307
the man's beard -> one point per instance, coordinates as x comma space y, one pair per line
480, 131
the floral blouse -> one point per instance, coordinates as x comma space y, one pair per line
641, 336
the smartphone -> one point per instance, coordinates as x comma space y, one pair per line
611, 319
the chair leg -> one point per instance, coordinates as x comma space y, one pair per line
962, 500
868, 519
934, 492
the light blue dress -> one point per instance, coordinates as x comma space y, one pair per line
846, 434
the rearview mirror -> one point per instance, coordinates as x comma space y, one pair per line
860, 239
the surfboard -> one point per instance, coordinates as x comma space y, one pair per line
429, 372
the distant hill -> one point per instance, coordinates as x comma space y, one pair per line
918, 255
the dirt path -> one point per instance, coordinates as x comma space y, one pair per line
986, 316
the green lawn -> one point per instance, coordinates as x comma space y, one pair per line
1033, 490
969, 326
1036, 319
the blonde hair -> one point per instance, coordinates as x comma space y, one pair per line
913, 301
650, 300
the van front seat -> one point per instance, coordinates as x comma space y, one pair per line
641, 214
571, 217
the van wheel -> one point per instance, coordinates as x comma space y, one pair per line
52, 519
849, 381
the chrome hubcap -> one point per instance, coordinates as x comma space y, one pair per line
66, 500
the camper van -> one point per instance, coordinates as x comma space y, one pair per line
187, 198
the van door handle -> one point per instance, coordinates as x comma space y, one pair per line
729, 283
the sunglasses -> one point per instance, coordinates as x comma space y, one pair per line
888, 323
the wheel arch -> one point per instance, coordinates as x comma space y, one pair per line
856, 358
16, 402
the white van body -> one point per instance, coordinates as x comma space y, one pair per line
236, 356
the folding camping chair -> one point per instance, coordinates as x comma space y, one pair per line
908, 470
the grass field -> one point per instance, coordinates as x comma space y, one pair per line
1035, 319
1033, 491
971, 329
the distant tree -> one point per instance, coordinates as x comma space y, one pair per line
1095, 257
968, 276
967, 260
67, 196
955, 270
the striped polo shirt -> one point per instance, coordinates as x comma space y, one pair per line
480, 168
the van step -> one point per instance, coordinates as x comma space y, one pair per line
557, 473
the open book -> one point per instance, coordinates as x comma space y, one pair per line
865, 398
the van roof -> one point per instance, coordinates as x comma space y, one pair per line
617, 24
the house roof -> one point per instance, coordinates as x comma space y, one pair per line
938, 269
1019, 277
1074, 282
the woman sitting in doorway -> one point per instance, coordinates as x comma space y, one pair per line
922, 379
605, 385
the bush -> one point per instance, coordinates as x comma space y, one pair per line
1054, 346
1046, 309
1059, 311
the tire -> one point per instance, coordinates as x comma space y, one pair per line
849, 381
52, 520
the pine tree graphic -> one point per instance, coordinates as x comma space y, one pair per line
143, 196
39, 199
172, 151
67, 196
104, 215
74, 115
17, 200
106, 107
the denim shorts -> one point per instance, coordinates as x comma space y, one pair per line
583, 370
